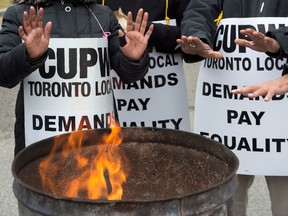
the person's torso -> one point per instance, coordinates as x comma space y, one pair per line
157, 10
255, 8
73, 21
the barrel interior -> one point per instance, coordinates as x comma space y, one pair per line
162, 164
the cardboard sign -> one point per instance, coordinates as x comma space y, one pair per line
159, 99
256, 131
71, 92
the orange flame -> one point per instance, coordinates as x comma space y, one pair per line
100, 176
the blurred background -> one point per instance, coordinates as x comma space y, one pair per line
4, 4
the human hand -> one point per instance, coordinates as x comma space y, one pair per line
136, 37
258, 41
194, 46
32, 33
268, 89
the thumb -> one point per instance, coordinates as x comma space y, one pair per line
122, 38
121, 33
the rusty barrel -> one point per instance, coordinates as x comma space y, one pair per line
172, 172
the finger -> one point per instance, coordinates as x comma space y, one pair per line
192, 45
249, 35
255, 94
183, 45
21, 32
269, 96
185, 41
257, 91
258, 35
251, 95
247, 31
129, 22
217, 55
236, 91
260, 39
190, 39
149, 32
243, 31
121, 33
242, 42
138, 19
47, 30
195, 42
32, 17
26, 23
39, 18
183, 37
144, 23
243, 90
181, 42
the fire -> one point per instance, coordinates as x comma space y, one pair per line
98, 176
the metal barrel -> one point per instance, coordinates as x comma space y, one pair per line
213, 200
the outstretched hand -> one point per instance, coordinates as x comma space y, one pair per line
32, 33
258, 41
268, 89
136, 37
194, 46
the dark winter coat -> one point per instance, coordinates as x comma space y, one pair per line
199, 16
163, 37
281, 35
78, 23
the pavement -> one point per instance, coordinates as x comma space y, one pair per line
258, 204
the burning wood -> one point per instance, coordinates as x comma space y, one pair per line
98, 176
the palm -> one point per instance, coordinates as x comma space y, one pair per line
136, 45
194, 46
136, 37
32, 33
267, 89
258, 41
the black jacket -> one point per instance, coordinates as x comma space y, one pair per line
281, 35
163, 37
199, 16
78, 23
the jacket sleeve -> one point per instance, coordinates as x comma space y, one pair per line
164, 37
14, 66
281, 36
129, 71
198, 21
